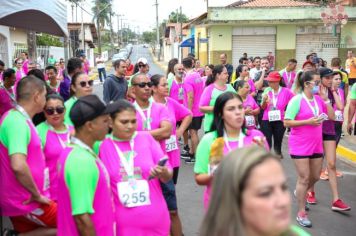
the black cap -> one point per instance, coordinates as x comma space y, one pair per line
88, 108
325, 72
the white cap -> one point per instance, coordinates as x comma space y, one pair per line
142, 60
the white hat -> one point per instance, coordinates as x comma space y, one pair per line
142, 60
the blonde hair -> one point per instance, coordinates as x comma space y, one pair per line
224, 213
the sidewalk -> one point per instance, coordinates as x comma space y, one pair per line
161, 64
94, 72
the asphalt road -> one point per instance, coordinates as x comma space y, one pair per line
325, 221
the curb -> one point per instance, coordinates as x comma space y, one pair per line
346, 153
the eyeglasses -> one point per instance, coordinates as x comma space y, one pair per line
83, 84
51, 110
143, 84
314, 82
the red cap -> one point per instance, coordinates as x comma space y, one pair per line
274, 76
308, 62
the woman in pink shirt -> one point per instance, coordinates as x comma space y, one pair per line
55, 136
243, 73
19, 72
275, 99
251, 107
131, 159
304, 115
177, 112
7, 95
208, 72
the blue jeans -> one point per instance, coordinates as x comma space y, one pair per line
102, 73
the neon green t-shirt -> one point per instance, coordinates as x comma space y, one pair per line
15, 134
68, 105
81, 175
353, 91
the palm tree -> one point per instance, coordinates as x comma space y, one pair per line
102, 6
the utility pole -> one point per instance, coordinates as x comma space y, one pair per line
158, 47
98, 27
177, 15
83, 34
72, 12
181, 32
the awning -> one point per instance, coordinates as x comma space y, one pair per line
50, 16
187, 43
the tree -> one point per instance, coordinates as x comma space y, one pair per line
104, 9
174, 16
149, 36
48, 40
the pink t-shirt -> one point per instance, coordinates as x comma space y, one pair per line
252, 85
195, 84
150, 219
177, 91
7, 100
177, 112
19, 75
288, 78
247, 141
283, 98
25, 66
251, 103
305, 140
53, 144
13, 194
158, 114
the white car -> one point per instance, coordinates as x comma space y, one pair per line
118, 56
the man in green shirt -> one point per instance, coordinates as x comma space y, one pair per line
51, 61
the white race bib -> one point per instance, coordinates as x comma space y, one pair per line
171, 143
46, 179
250, 121
134, 195
274, 115
339, 116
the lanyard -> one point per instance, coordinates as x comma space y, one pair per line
79, 143
289, 76
12, 96
275, 97
241, 140
63, 144
127, 164
314, 109
146, 120
23, 112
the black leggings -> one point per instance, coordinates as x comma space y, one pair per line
338, 131
276, 130
175, 175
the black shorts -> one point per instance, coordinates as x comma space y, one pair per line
329, 137
196, 123
352, 81
314, 156
175, 175
169, 193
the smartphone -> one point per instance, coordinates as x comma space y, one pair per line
161, 162
323, 117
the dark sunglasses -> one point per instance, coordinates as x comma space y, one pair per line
143, 84
141, 65
51, 110
83, 84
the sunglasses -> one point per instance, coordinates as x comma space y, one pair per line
83, 84
143, 84
141, 65
51, 110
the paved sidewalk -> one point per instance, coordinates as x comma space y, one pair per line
94, 72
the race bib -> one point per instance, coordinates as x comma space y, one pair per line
181, 94
339, 116
274, 115
250, 121
134, 195
46, 179
171, 143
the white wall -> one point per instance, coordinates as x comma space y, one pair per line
5, 31
220, 3
57, 52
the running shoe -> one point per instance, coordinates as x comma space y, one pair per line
185, 152
303, 220
191, 159
324, 175
339, 174
339, 205
311, 198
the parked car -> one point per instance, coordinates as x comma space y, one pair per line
145, 45
118, 56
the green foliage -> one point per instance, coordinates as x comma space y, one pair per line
104, 10
174, 16
48, 40
149, 36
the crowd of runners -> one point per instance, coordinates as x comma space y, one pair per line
72, 164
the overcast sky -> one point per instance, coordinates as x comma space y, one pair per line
142, 13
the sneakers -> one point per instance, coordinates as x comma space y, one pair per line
303, 220
185, 152
311, 198
339, 205
191, 159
